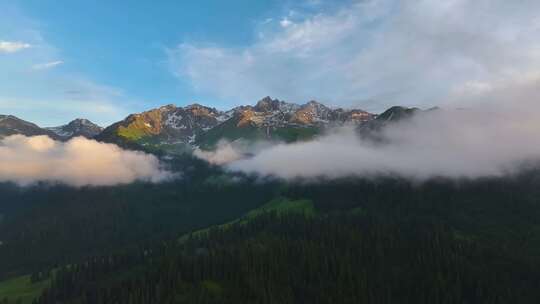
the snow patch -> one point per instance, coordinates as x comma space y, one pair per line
173, 121
60, 131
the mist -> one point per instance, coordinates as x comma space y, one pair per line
225, 152
78, 162
484, 139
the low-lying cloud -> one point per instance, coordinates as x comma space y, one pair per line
224, 153
480, 141
78, 162
227, 151
479, 56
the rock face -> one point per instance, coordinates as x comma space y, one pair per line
371, 129
169, 124
275, 113
77, 127
172, 128
199, 125
397, 113
11, 125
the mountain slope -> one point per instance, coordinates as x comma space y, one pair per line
453, 243
168, 124
271, 119
392, 115
77, 127
243, 126
171, 128
11, 125
197, 125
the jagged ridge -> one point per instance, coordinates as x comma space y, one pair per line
11, 125
203, 126
78, 127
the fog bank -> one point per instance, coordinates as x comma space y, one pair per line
482, 140
78, 162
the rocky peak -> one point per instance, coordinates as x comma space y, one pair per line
82, 122
10, 119
78, 127
353, 116
312, 112
195, 106
200, 110
396, 113
317, 106
314, 103
169, 107
267, 104
185, 124
11, 125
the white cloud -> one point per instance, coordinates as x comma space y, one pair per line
487, 140
223, 154
491, 132
226, 151
373, 53
12, 46
47, 65
285, 22
78, 162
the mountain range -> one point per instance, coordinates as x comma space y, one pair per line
201, 126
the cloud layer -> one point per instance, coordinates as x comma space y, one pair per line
227, 151
480, 141
224, 153
482, 56
373, 53
78, 162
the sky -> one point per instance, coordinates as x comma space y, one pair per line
103, 60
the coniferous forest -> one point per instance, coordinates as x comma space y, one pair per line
270, 152
213, 237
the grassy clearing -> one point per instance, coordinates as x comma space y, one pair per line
281, 206
230, 131
284, 206
292, 134
22, 288
131, 133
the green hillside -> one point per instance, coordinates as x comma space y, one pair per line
231, 132
280, 206
21, 288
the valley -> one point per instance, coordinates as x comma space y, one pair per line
270, 152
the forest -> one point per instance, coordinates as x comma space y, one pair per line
270, 152
211, 236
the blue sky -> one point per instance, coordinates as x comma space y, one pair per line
105, 59
121, 43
